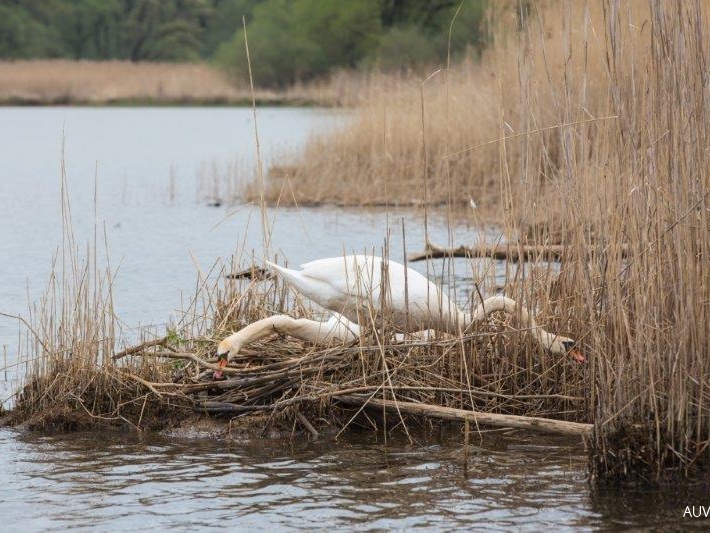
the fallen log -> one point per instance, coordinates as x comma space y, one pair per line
546, 425
503, 252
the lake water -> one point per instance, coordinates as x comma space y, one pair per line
153, 170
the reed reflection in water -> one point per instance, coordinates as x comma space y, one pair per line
124, 482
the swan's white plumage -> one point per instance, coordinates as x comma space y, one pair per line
353, 285
352, 288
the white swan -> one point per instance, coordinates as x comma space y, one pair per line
356, 288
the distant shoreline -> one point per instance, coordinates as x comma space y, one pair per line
58, 82
143, 102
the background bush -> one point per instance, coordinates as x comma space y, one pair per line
289, 40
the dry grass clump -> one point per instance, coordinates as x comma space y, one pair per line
434, 140
651, 313
72, 382
62, 82
496, 368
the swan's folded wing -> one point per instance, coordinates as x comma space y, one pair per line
350, 276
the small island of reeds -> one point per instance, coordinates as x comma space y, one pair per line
587, 130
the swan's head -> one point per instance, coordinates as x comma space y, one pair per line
224, 349
559, 345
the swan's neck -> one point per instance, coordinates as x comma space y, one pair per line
510, 307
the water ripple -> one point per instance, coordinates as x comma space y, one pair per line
126, 483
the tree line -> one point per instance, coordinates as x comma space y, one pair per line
289, 40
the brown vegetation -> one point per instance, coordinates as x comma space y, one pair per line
79, 381
635, 187
64, 82
588, 127
489, 129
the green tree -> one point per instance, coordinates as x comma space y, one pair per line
24, 35
343, 32
91, 29
289, 40
279, 51
292, 40
225, 21
402, 48
156, 29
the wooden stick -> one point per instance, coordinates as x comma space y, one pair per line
140, 347
488, 419
303, 420
466, 432
471, 390
255, 273
503, 252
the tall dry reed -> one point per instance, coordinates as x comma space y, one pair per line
587, 124
71, 334
446, 127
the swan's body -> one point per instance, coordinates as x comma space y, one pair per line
353, 286
356, 288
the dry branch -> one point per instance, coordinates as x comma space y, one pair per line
502, 252
306, 424
140, 348
546, 425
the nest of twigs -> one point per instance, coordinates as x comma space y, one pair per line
489, 371
496, 369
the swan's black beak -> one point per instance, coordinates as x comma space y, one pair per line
221, 363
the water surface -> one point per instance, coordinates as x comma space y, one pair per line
139, 175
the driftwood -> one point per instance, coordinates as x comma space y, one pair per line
546, 425
254, 273
503, 252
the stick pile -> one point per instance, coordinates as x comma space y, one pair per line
449, 379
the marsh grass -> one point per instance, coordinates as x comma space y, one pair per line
587, 125
636, 184
76, 381
496, 368
64, 82
71, 333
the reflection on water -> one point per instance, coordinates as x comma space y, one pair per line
122, 482
514, 481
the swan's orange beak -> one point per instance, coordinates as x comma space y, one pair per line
577, 355
221, 363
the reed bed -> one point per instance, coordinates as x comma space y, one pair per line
599, 127
81, 377
65, 82
586, 126
160, 382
